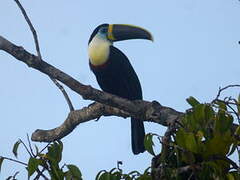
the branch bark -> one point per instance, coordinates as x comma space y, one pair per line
107, 105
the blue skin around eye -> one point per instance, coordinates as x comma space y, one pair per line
102, 33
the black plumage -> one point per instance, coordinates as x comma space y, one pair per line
118, 77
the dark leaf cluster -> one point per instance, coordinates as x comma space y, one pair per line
200, 148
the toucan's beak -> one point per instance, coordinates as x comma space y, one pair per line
119, 32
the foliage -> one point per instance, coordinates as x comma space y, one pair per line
117, 174
199, 148
45, 161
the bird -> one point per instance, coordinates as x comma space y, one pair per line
114, 72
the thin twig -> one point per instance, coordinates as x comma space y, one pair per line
10, 159
25, 146
44, 148
30, 146
234, 112
224, 88
35, 37
238, 150
228, 101
64, 165
64, 93
40, 173
228, 104
14, 176
31, 28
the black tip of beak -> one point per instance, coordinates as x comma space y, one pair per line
124, 32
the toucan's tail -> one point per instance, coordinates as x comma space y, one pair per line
138, 134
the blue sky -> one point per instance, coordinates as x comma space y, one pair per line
195, 51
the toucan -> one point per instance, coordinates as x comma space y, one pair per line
114, 72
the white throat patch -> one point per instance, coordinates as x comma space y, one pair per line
99, 50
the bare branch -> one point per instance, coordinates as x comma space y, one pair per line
145, 110
148, 111
13, 160
26, 148
30, 146
31, 28
87, 92
224, 88
70, 105
94, 111
35, 37
230, 102
74, 118
40, 173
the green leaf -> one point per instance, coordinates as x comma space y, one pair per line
219, 144
234, 147
209, 113
60, 144
75, 172
148, 143
99, 174
105, 176
191, 144
15, 148
112, 170
55, 172
147, 170
211, 167
199, 136
36, 149
235, 174
188, 157
67, 175
238, 106
199, 117
223, 122
145, 177
237, 131
32, 166
230, 177
133, 172
180, 138
1, 161
222, 106
188, 141
126, 177
117, 175
54, 153
192, 101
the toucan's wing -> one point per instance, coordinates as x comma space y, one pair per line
118, 77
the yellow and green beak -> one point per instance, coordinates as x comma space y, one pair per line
119, 32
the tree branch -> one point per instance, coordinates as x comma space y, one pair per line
31, 28
35, 37
94, 111
147, 111
74, 118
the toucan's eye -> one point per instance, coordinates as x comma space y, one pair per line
103, 30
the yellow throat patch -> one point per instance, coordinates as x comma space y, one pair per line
99, 50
